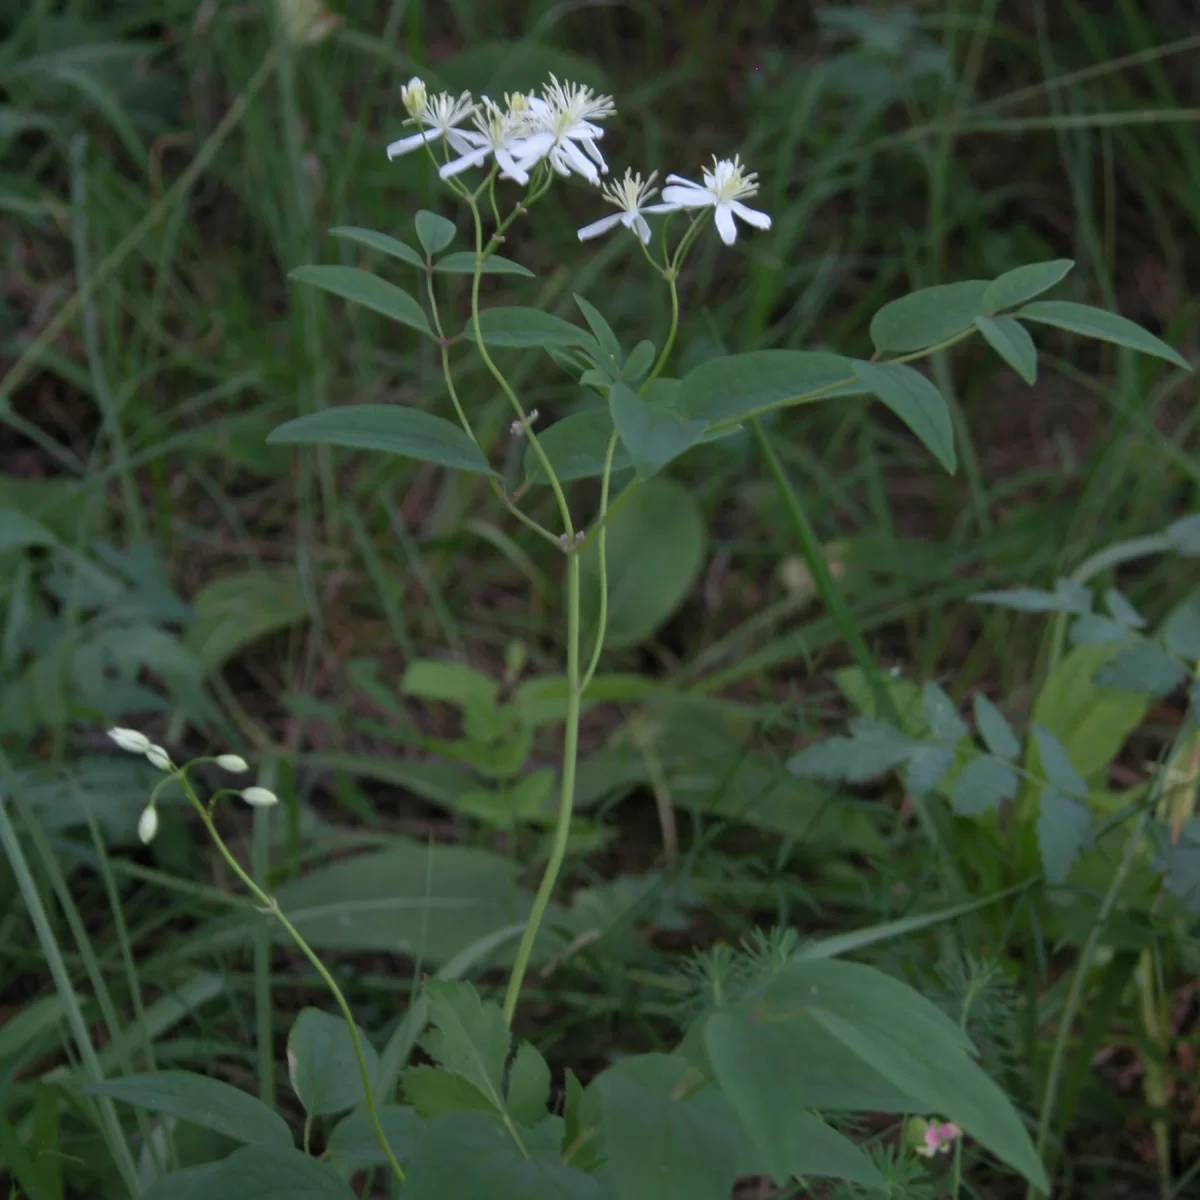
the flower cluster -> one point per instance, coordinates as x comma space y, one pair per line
133, 742
938, 1138
561, 127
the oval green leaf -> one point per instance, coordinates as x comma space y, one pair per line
202, 1101
390, 428
738, 386
366, 289
462, 262
525, 327
354, 1140
1097, 323
655, 549
1023, 283
261, 1173
929, 316
322, 1065
1010, 339
576, 447
434, 232
653, 439
383, 242
916, 402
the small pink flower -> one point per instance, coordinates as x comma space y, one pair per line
939, 1138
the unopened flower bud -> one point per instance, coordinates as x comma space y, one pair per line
130, 740
259, 797
233, 762
415, 97
148, 824
158, 757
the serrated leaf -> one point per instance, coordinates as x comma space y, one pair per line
983, 784
469, 1036
435, 1093
1010, 339
1182, 631
322, 1065
354, 1139
1023, 283
1092, 629
202, 1101
1143, 667
524, 328
916, 402
1105, 326
434, 232
1067, 597
528, 1085
874, 748
384, 243
605, 337
1059, 770
1063, 830
390, 428
462, 262
925, 767
651, 439
1122, 610
944, 722
366, 289
929, 316
995, 730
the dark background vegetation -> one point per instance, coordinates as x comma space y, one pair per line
222, 593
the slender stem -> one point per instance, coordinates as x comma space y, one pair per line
601, 550
272, 908
669, 344
1075, 993
566, 805
264, 1010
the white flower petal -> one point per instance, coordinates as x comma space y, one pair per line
726, 226
690, 196
533, 148
751, 216
685, 182
413, 142
643, 228
594, 152
510, 169
596, 228
462, 140
579, 162
457, 165
660, 208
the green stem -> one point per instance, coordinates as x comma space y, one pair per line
272, 908
1075, 994
669, 344
562, 829
601, 551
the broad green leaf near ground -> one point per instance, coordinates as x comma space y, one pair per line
322, 1064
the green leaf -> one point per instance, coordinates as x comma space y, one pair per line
434, 232
1067, 597
916, 402
1060, 771
462, 262
640, 360
1184, 536
1010, 339
652, 440
1096, 323
873, 748
528, 1085
605, 337
660, 1148
929, 316
925, 767
469, 1037
19, 531
576, 447
1092, 629
1122, 610
202, 1101
391, 428
737, 386
1145, 667
192, 1183
366, 289
944, 722
383, 242
322, 1065
435, 1093
826, 1035
655, 549
995, 730
468, 1156
1023, 283
457, 683
271, 1173
1182, 631
236, 610
354, 1139
1064, 827
493, 68
526, 327
983, 784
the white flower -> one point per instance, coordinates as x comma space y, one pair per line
724, 188
441, 115
148, 824
563, 126
259, 797
499, 133
233, 762
630, 196
130, 740
159, 758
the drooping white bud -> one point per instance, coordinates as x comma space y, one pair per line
158, 757
130, 740
148, 824
259, 797
233, 762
